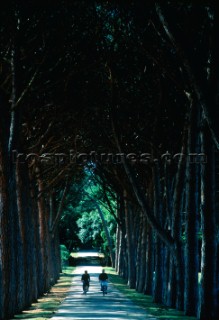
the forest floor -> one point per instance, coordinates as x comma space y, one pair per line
66, 299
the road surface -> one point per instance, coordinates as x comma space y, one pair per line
113, 306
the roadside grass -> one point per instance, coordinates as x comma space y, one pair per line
145, 301
46, 306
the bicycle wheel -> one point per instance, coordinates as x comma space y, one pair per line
85, 289
104, 290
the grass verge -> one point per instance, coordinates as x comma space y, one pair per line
46, 306
145, 301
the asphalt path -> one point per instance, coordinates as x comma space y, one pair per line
93, 305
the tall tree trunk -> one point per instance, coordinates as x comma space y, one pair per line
138, 249
166, 275
169, 293
4, 222
142, 254
141, 197
122, 262
108, 236
55, 263
158, 276
31, 231
130, 245
177, 222
36, 239
171, 286
14, 244
191, 223
52, 235
149, 261
43, 231
217, 223
118, 240
209, 248
118, 236
23, 285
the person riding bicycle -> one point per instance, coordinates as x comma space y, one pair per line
103, 278
85, 278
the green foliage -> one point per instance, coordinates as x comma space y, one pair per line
81, 224
68, 227
64, 254
89, 227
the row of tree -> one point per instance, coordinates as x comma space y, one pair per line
29, 251
122, 89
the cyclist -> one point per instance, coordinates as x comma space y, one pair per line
103, 278
85, 278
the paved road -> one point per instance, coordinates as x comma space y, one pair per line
113, 306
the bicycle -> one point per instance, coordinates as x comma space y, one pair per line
85, 288
104, 287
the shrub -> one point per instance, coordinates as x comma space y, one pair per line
64, 255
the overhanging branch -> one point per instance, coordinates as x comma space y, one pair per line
192, 81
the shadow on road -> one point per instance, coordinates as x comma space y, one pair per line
88, 261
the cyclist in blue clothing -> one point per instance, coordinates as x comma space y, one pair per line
103, 278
